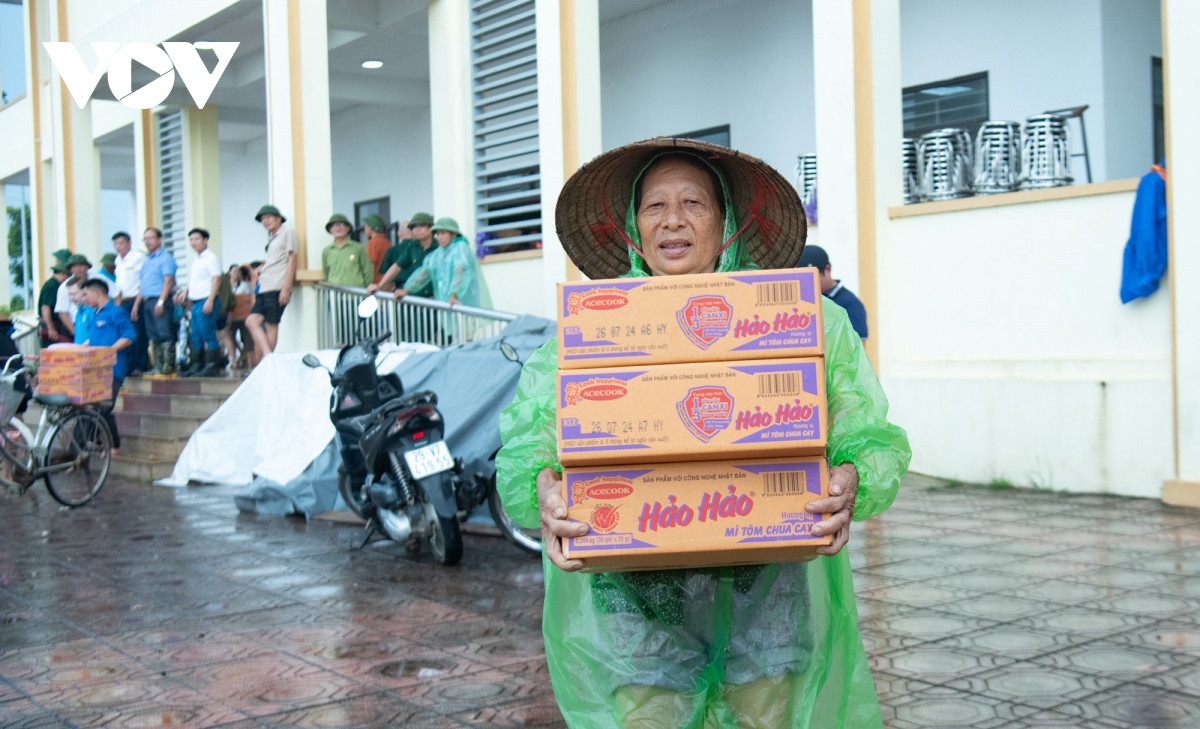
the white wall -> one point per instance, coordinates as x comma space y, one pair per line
1007, 353
1132, 33
686, 65
384, 151
1039, 55
244, 189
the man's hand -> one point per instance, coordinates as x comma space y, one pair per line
158, 308
207, 307
133, 313
400, 294
372, 289
454, 299
180, 295
843, 487
285, 295
555, 526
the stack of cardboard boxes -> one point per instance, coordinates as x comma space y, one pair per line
84, 374
692, 419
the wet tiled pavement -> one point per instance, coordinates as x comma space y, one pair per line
979, 608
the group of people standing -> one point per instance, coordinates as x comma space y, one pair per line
447, 271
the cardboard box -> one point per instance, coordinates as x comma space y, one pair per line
70, 376
705, 411
78, 393
76, 355
699, 318
676, 515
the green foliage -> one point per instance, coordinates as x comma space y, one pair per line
1000, 484
16, 251
17, 303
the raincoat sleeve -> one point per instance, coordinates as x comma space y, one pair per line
462, 271
418, 278
528, 431
859, 432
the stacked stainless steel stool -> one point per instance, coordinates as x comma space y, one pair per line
944, 163
912, 173
1045, 153
806, 177
997, 157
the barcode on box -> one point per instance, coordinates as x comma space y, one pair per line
777, 292
775, 384
783, 482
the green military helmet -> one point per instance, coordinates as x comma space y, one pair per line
269, 210
449, 224
62, 255
338, 218
420, 219
108, 259
376, 223
78, 260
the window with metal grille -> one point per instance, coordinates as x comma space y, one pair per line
957, 102
170, 175
508, 208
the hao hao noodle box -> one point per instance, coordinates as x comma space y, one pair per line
701, 411
695, 514
697, 318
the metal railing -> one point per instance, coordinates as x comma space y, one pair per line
412, 319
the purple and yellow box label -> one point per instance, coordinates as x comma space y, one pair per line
695, 514
700, 411
700, 318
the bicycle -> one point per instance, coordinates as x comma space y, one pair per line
71, 450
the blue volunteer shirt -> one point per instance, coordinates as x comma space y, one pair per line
154, 268
846, 299
110, 324
83, 320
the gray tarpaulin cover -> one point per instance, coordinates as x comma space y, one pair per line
473, 382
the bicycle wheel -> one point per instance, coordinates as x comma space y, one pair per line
78, 456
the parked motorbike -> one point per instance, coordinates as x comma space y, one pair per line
396, 471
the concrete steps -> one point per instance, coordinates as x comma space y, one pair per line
156, 416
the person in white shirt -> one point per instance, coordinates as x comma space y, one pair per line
129, 285
204, 283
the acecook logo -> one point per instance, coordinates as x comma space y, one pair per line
597, 388
597, 300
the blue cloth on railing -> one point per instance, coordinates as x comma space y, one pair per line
1146, 250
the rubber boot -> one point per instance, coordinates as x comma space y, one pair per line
195, 364
168, 365
158, 359
212, 364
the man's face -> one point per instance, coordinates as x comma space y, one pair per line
60, 276
197, 242
94, 297
422, 232
152, 241
79, 270
340, 230
75, 294
444, 238
827, 282
404, 231
122, 245
271, 222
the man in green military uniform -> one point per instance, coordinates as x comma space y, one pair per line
344, 262
50, 326
401, 261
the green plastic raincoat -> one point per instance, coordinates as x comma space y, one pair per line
766, 646
454, 270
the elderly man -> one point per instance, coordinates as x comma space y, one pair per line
65, 307
153, 303
773, 645
275, 279
344, 262
129, 282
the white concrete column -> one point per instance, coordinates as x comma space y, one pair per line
298, 146
568, 47
36, 21
856, 59
202, 173
451, 133
1181, 82
76, 217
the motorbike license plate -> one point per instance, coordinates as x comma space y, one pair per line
433, 458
